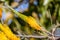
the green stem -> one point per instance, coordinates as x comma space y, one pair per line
19, 14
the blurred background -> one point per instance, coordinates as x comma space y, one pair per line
46, 13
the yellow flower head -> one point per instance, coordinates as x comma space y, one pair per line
32, 22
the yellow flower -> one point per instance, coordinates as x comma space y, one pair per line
3, 36
32, 22
8, 32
